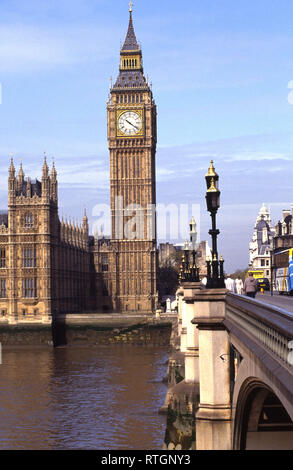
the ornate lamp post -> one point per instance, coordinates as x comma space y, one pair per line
189, 271
215, 268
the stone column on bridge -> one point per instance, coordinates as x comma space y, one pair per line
183, 333
183, 396
213, 417
179, 295
191, 353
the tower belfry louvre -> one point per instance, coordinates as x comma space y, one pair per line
132, 138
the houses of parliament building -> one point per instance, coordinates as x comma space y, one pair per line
49, 266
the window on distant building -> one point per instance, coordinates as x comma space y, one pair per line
29, 288
28, 257
262, 262
105, 266
28, 220
3, 288
2, 258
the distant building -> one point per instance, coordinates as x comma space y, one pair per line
203, 253
170, 253
262, 243
45, 262
167, 254
284, 231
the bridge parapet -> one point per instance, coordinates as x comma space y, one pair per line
236, 355
261, 337
270, 326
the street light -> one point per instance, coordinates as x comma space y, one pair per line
215, 268
189, 271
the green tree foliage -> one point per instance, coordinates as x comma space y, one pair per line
242, 273
168, 275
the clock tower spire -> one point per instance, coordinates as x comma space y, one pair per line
132, 138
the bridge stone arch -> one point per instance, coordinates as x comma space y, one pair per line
261, 419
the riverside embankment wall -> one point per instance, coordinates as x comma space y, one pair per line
90, 329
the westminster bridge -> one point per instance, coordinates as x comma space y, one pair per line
230, 375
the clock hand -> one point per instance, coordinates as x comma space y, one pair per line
131, 124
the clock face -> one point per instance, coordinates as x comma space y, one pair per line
130, 123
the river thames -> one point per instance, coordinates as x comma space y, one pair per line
103, 397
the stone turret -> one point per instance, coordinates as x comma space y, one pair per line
20, 176
85, 230
45, 182
11, 183
28, 188
54, 184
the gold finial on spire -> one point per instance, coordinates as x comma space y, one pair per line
130, 6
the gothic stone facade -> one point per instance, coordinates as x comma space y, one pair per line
45, 263
48, 266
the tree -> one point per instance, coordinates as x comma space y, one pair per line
168, 274
242, 273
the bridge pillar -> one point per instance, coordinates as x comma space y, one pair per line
213, 417
191, 353
179, 294
183, 332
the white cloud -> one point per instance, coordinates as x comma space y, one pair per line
26, 48
249, 156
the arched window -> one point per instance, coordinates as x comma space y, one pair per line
28, 220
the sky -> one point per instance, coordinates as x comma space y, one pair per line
222, 78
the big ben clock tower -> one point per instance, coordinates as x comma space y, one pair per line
132, 137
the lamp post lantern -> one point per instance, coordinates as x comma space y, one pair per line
215, 268
189, 271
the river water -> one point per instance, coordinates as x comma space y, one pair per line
104, 397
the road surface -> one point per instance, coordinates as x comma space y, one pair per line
281, 301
